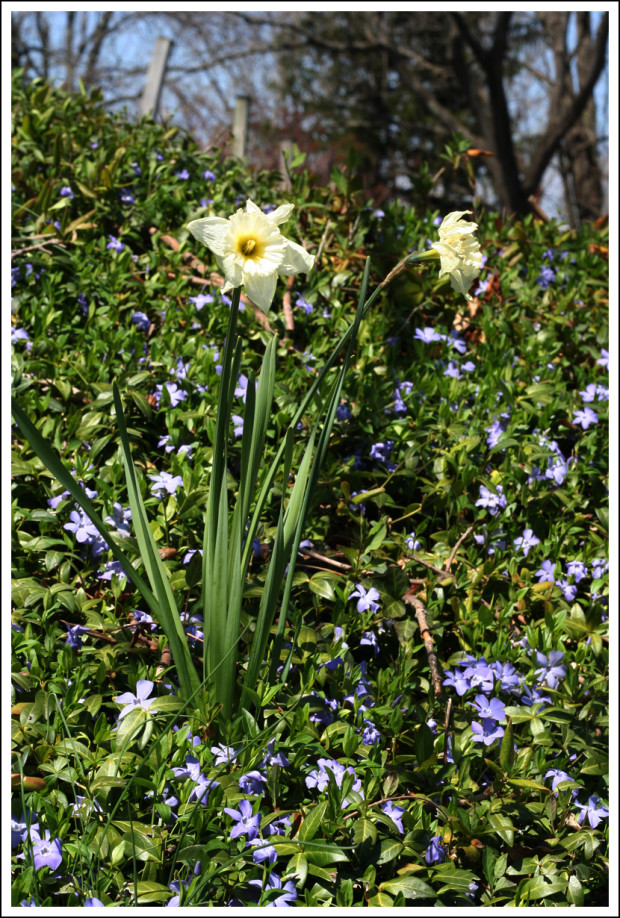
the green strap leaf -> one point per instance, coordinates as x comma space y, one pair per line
47, 454
507, 751
169, 617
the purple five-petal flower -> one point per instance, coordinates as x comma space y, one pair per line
492, 709
486, 732
141, 699
593, 809
366, 599
46, 852
245, 822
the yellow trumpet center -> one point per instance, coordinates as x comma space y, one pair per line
247, 247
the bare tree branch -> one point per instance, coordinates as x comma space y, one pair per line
568, 115
100, 34
409, 81
69, 58
43, 30
481, 54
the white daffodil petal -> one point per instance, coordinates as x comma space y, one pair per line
212, 232
261, 289
233, 275
449, 258
250, 250
281, 213
251, 208
296, 259
459, 251
453, 218
460, 282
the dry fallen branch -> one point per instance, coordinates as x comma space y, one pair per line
100, 635
40, 245
436, 570
445, 570
165, 661
411, 599
287, 309
309, 553
324, 241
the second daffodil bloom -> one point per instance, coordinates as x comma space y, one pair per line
251, 250
459, 251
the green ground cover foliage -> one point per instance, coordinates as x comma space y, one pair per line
434, 730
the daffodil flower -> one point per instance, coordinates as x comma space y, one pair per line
459, 251
251, 250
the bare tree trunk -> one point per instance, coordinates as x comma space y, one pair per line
19, 55
515, 195
566, 106
565, 109
69, 62
580, 143
44, 37
567, 184
491, 109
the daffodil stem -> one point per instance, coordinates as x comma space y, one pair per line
223, 414
429, 255
218, 473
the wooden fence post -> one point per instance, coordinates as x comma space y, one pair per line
155, 78
240, 126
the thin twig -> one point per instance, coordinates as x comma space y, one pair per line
323, 242
448, 563
537, 209
76, 395
407, 321
33, 236
408, 796
96, 634
436, 570
287, 309
40, 245
318, 557
420, 613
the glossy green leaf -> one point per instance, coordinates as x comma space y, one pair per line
312, 821
410, 887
